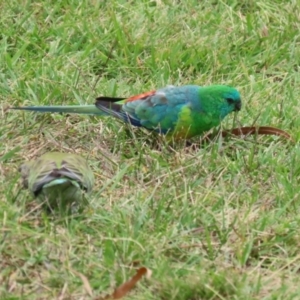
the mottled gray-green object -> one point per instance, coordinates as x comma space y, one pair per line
60, 180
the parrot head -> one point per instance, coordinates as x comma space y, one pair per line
221, 99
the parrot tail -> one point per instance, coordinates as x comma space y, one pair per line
78, 109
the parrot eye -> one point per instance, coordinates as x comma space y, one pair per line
230, 100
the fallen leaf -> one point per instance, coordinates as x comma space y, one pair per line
252, 130
266, 130
127, 286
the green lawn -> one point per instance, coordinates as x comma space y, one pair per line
220, 221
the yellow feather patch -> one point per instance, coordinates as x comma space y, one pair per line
182, 129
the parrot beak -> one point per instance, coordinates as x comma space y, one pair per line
238, 106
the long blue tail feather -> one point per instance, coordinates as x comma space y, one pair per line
78, 109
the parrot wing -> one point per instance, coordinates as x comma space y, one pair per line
156, 110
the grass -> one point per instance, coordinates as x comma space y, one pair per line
218, 222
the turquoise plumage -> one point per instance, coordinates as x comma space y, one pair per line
179, 112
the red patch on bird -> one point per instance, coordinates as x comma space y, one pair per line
140, 96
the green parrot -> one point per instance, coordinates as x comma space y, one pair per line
59, 180
179, 112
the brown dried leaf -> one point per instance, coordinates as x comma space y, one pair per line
266, 130
127, 286
252, 130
